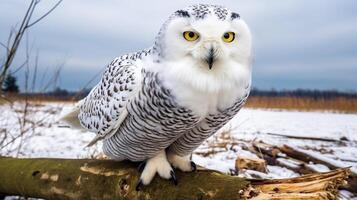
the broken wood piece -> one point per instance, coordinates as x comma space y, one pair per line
318, 159
256, 164
265, 148
274, 156
285, 155
313, 186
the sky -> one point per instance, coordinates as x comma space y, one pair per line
297, 43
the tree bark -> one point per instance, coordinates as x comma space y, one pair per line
105, 179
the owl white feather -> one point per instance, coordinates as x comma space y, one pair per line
158, 105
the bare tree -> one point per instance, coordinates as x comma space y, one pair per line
15, 37
15, 133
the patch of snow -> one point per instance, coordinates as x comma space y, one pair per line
346, 195
319, 167
289, 163
334, 162
279, 172
52, 139
216, 162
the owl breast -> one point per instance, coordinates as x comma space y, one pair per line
155, 120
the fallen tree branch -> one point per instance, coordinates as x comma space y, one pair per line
297, 160
274, 156
307, 138
310, 157
105, 179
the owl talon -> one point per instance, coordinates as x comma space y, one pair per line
181, 162
173, 177
138, 185
193, 165
156, 165
141, 166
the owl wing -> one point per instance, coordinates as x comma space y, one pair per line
104, 109
193, 138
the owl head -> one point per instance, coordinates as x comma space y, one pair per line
205, 47
206, 34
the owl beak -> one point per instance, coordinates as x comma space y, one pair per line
210, 58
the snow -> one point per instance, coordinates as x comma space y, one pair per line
319, 167
318, 124
51, 138
346, 195
45, 136
288, 163
334, 162
254, 124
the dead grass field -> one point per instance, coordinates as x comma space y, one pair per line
37, 98
336, 104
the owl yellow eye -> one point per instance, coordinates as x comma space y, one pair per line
228, 37
190, 36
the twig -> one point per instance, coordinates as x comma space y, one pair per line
13, 45
43, 16
3, 45
306, 138
33, 87
20, 67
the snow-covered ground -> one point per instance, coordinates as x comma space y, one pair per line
45, 136
253, 124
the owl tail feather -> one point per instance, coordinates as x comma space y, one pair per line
71, 118
95, 140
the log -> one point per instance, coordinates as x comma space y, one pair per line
105, 179
308, 157
281, 155
256, 164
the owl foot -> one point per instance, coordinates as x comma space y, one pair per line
141, 166
157, 164
181, 162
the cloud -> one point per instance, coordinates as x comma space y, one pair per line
298, 43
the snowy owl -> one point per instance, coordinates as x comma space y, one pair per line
158, 105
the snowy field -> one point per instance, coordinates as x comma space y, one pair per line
37, 132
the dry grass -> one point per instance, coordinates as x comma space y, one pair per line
37, 98
20, 123
337, 104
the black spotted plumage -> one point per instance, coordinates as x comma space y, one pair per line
137, 116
